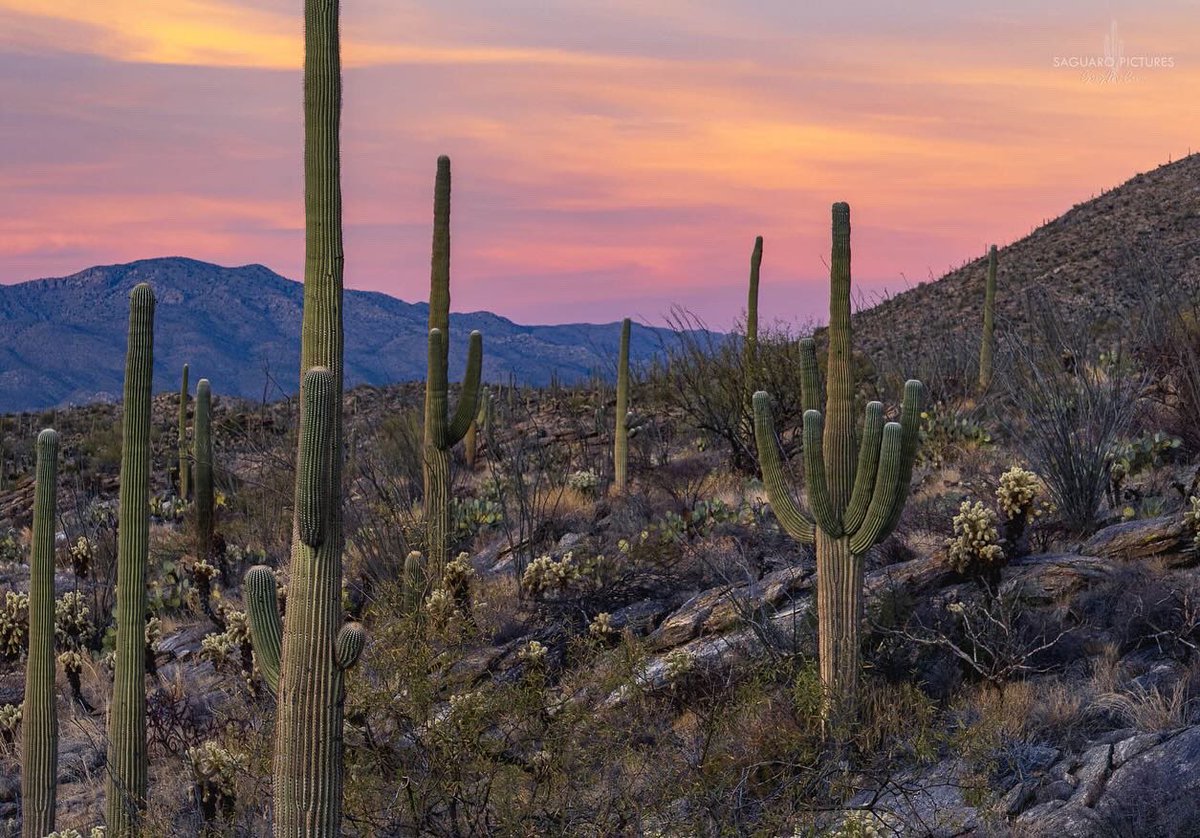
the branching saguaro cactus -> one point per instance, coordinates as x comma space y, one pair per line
621, 429
204, 471
855, 498
443, 431
39, 721
751, 362
313, 633
312, 649
185, 477
989, 323
125, 790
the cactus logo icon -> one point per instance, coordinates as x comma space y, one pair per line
1114, 64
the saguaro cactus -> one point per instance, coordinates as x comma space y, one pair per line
855, 498
125, 788
443, 432
989, 323
185, 477
39, 721
621, 429
204, 470
751, 372
314, 650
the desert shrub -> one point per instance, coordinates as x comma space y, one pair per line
1068, 406
947, 433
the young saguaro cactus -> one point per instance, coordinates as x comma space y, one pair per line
989, 323
442, 430
855, 498
125, 788
204, 471
39, 721
621, 430
185, 477
483, 420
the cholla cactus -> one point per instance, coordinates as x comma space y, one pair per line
14, 625
456, 578
857, 824
83, 553
601, 626
533, 653
974, 546
94, 832
215, 771
1017, 491
679, 663
10, 720
583, 481
72, 621
72, 664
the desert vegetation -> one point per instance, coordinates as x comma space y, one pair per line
700, 599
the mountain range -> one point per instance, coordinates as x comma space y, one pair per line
63, 340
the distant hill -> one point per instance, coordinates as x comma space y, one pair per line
62, 341
1090, 262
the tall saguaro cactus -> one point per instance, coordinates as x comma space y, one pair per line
621, 429
442, 430
39, 722
185, 477
989, 323
125, 789
204, 470
752, 317
855, 496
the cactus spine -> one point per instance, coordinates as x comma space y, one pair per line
184, 462
989, 323
125, 791
443, 431
855, 497
204, 470
621, 431
751, 372
311, 649
39, 722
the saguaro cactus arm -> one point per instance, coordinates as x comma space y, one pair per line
814, 475
868, 464
266, 627
468, 400
910, 426
886, 495
350, 642
313, 486
39, 721
989, 322
798, 525
810, 376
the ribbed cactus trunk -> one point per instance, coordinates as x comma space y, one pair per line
311, 650
39, 720
856, 488
204, 471
443, 431
481, 423
125, 789
989, 323
185, 477
621, 429
751, 361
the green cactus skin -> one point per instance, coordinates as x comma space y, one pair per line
482, 423
414, 582
621, 431
856, 489
204, 470
125, 788
989, 323
185, 477
39, 722
752, 317
443, 432
311, 638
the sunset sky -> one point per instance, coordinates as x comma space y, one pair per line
610, 158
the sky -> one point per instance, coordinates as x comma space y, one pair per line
611, 158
